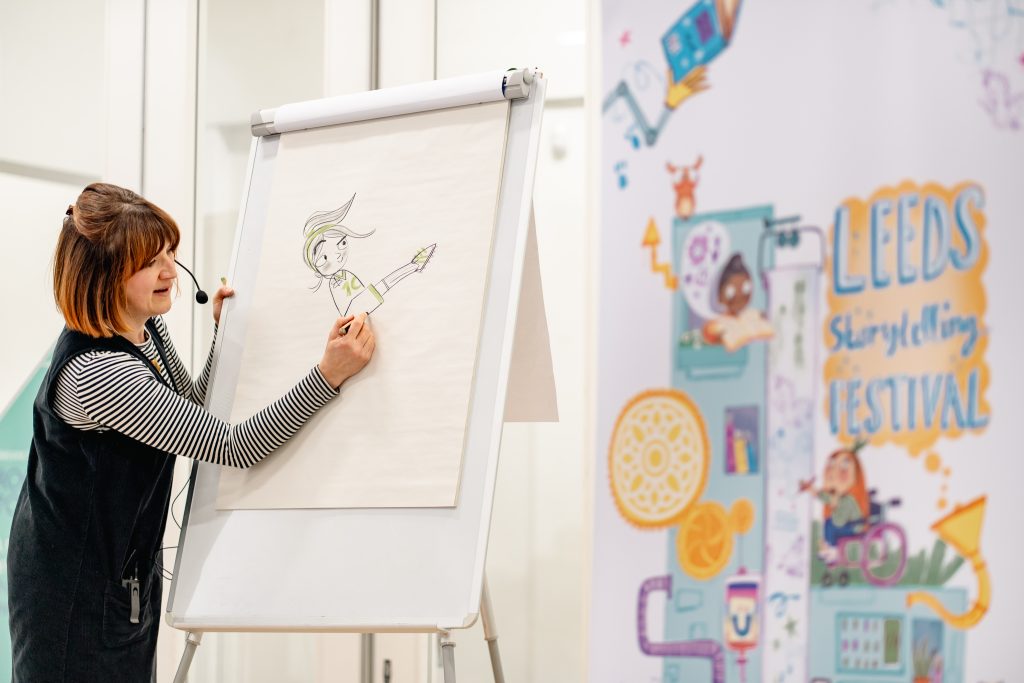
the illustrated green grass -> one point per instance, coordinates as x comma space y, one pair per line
924, 568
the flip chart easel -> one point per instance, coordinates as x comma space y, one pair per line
382, 569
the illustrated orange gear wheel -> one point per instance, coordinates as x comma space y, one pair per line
741, 515
704, 542
658, 458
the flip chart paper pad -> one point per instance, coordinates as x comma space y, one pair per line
395, 435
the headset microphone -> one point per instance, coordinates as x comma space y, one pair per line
201, 296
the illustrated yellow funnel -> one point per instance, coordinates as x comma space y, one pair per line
961, 529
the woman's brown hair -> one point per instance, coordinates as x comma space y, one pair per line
109, 234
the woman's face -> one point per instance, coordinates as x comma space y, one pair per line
330, 253
149, 290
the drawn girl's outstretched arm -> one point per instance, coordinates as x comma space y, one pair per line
418, 263
368, 299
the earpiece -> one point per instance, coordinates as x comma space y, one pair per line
201, 296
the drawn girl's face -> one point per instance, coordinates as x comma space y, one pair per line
330, 253
840, 474
734, 293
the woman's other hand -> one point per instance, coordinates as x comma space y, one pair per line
347, 353
224, 292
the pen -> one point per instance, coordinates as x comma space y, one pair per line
344, 330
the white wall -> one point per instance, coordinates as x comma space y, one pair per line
499, 34
54, 85
64, 88
33, 212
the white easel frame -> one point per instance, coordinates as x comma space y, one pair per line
203, 524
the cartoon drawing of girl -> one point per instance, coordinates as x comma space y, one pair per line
737, 325
845, 495
326, 252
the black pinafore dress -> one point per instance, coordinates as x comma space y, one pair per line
84, 589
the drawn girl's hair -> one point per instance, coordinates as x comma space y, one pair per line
108, 235
323, 224
860, 486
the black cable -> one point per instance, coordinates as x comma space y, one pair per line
166, 573
176, 497
127, 560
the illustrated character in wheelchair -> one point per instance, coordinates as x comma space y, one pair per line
855, 533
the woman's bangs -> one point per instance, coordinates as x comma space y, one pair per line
147, 238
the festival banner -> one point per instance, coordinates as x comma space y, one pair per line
804, 449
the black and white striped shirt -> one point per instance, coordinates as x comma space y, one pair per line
100, 390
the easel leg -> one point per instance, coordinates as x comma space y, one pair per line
491, 634
366, 658
448, 656
192, 640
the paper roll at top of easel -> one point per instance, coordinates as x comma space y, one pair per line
445, 93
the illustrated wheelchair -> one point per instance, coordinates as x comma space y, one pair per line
878, 549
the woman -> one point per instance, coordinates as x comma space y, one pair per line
114, 409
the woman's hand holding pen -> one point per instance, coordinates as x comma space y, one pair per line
224, 292
350, 345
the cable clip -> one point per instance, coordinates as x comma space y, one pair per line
133, 593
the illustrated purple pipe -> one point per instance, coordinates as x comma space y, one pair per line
705, 649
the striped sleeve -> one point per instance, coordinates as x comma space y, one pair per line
196, 391
117, 391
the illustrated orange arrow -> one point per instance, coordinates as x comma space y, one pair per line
651, 240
